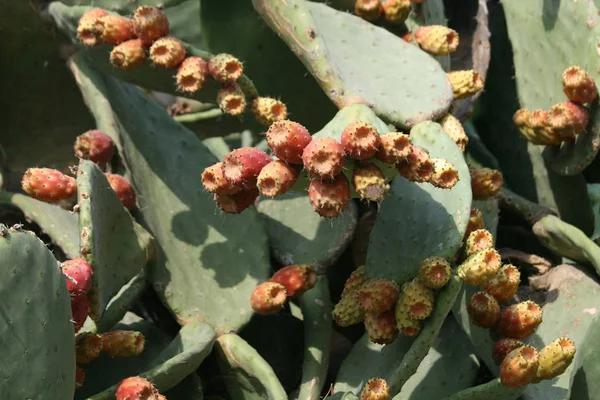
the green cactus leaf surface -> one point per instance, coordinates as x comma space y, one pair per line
585, 383
492, 390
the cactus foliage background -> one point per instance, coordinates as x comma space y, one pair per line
293, 199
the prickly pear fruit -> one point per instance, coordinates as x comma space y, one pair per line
128, 55
408, 38
355, 281
504, 346
465, 83
381, 327
348, 310
79, 376
167, 52
418, 299
519, 367
542, 132
521, 120
242, 166
437, 39
231, 99
323, 158
485, 182
288, 140
360, 140
520, 320
475, 222
407, 325
89, 30
49, 185
578, 85
452, 126
192, 74
225, 68
236, 202
214, 181
444, 176
88, 347
78, 275
375, 389
395, 147
120, 344
479, 267
555, 358
369, 10
95, 146
268, 298
378, 295
136, 388
369, 182
503, 286
296, 279
417, 167
115, 29
329, 199
568, 119
150, 24
483, 309
396, 11
80, 309
268, 110
434, 272
478, 240
276, 178
123, 189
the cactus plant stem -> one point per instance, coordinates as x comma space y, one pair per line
529, 210
492, 390
199, 116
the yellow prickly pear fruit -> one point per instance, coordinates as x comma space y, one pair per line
479, 267
455, 130
465, 83
434, 272
381, 327
268, 110
225, 68
475, 222
578, 85
378, 295
519, 367
437, 39
555, 358
167, 52
504, 284
407, 326
369, 182
375, 389
192, 74
128, 55
483, 309
348, 310
485, 182
418, 298
444, 175
355, 281
396, 11
88, 347
231, 99
520, 320
521, 121
417, 166
268, 298
123, 343
478, 240
543, 133
369, 10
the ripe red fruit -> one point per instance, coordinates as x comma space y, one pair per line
136, 388
214, 181
80, 309
225, 68
237, 202
503, 286
360, 140
123, 189
49, 185
483, 309
276, 178
79, 376
88, 347
329, 199
520, 320
95, 146
578, 85
128, 55
120, 344
115, 29
504, 346
417, 166
296, 279
395, 147
568, 119
167, 52
378, 295
192, 74
79, 276
288, 139
149, 24
268, 298
89, 30
519, 367
242, 166
381, 327
323, 158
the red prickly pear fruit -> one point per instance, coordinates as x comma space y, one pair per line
78, 275
242, 166
408, 37
394, 148
375, 389
88, 347
478, 240
237, 202
452, 126
89, 31
48, 185
417, 167
288, 140
407, 325
276, 178
381, 327
503, 286
444, 175
360, 140
214, 181
123, 189
95, 146
437, 39
329, 199
483, 309
479, 267
296, 279
396, 11
555, 358
568, 119
504, 346
80, 309
348, 311
231, 99
578, 85
192, 75
519, 367
465, 83
538, 127
434, 272
136, 388
268, 298
378, 295
167, 52
128, 55
79, 376
475, 222
121, 344
485, 182
418, 299
323, 158
369, 182
520, 320
369, 10
225, 68
355, 281
150, 24
268, 110
116, 29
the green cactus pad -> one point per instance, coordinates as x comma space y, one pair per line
56, 222
37, 345
114, 244
417, 220
308, 240
401, 83
208, 263
493, 390
249, 376
585, 383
